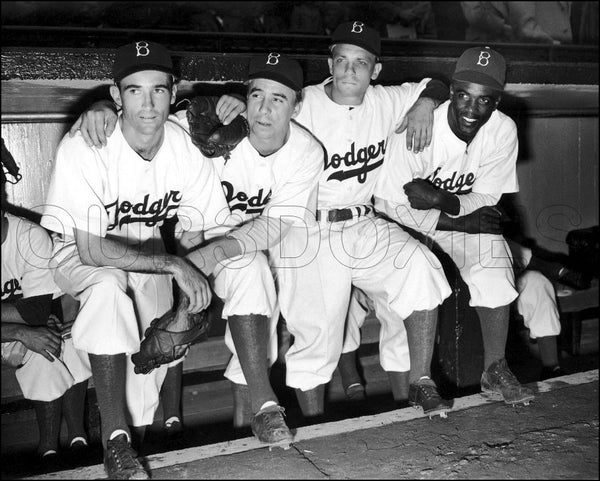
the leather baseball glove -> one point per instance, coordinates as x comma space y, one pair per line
208, 133
158, 346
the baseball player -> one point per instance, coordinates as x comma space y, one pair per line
105, 207
449, 193
351, 246
269, 180
50, 371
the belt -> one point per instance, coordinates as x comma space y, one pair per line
339, 215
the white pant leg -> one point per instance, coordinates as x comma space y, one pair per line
537, 304
246, 287
485, 264
314, 295
153, 296
106, 323
42, 380
357, 313
400, 275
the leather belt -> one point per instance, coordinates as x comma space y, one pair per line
339, 215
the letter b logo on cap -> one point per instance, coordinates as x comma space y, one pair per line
357, 27
142, 49
273, 59
484, 58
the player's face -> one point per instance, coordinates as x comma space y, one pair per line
471, 106
271, 105
352, 68
145, 98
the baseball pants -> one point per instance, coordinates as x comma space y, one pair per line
246, 286
395, 270
116, 308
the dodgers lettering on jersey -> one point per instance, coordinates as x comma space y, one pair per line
355, 138
455, 183
252, 204
344, 164
150, 214
11, 290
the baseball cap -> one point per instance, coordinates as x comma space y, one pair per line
481, 65
278, 67
360, 34
141, 55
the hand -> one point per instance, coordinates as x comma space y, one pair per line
421, 194
43, 340
193, 283
96, 124
418, 123
229, 107
485, 220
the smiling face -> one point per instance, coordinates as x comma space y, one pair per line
145, 97
471, 106
352, 69
271, 105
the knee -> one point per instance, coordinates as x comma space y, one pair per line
533, 281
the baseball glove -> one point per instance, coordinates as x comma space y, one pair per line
208, 133
158, 346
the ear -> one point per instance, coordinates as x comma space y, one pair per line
330, 62
376, 71
115, 93
297, 108
497, 101
173, 93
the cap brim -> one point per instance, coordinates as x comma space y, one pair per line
478, 78
353, 41
277, 77
139, 68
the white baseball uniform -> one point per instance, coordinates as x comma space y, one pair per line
480, 173
25, 273
278, 186
537, 298
366, 251
112, 192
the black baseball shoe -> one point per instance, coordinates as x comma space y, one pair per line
120, 460
269, 427
499, 380
424, 393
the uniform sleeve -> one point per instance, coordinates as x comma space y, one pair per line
35, 247
497, 173
402, 97
203, 205
471, 202
74, 198
290, 201
400, 167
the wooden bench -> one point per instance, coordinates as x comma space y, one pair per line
572, 308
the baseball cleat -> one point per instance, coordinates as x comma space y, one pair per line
498, 380
424, 394
270, 428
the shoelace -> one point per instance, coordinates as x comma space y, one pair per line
507, 377
428, 391
271, 421
124, 456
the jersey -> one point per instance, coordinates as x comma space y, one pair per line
486, 166
25, 256
113, 192
278, 185
354, 137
